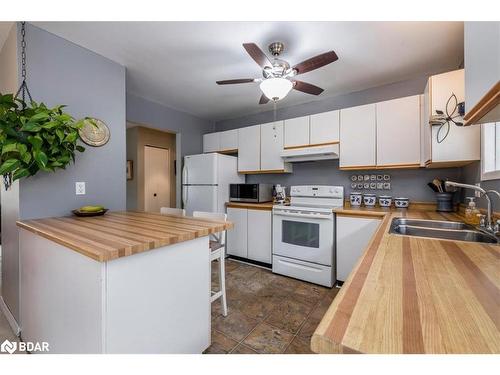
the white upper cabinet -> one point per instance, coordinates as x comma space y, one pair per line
271, 146
229, 140
358, 137
249, 149
324, 128
398, 132
462, 145
211, 142
297, 132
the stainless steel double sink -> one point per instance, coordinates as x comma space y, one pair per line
449, 230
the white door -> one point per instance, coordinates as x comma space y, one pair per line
271, 145
297, 132
398, 132
237, 236
200, 169
211, 142
199, 198
249, 149
353, 236
156, 178
259, 235
358, 137
324, 128
229, 140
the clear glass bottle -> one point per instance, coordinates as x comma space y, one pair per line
471, 212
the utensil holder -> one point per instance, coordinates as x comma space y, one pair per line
444, 202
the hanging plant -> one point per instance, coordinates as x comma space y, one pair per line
35, 138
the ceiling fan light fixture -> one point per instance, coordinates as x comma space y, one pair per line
276, 88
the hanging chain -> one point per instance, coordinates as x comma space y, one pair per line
23, 89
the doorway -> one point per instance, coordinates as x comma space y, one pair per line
152, 158
156, 178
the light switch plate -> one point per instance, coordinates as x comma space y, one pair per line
80, 188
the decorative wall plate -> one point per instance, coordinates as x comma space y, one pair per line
94, 132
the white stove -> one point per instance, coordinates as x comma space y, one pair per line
304, 234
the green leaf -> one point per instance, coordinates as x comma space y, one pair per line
80, 148
39, 116
60, 134
21, 172
50, 125
12, 147
41, 159
71, 137
36, 141
22, 148
9, 165
26, 158
31, 127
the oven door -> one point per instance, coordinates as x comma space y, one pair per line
304, 235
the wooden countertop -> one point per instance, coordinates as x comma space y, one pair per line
416, 295
119, 234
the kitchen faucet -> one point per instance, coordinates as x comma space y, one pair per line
489, 223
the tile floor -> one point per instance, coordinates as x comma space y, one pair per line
268, 313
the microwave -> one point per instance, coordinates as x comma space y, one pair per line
254, 193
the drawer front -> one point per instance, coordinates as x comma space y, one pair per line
314, 273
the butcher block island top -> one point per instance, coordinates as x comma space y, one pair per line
120, 234
415, 295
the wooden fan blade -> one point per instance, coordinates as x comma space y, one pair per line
307, 88
263, 99
316, 62
256, 53
233, 81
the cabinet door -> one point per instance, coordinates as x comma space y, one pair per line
211, 142
249, 149
259, 235
358, 137
297, 132
398, 132
237, 236
271, 145
324, 128
229, 140
353, 236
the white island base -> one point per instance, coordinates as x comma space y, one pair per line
156, 301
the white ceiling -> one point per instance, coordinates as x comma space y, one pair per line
177, 63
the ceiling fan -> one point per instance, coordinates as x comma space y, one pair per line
279, 77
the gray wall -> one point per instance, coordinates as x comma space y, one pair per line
153, 115
10, 199
482, 71
481, 58
410, 183
60, 72
373, 95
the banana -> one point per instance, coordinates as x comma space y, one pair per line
91, 208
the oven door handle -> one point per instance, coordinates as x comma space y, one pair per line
325, 217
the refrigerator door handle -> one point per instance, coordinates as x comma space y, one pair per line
184, 188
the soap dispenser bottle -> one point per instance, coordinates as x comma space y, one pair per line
472, 214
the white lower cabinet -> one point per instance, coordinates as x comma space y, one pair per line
251, 235
259, 235
353, 236
237, 236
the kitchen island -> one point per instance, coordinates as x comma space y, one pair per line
415, 295
125, 282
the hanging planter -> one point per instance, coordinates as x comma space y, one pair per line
34, 137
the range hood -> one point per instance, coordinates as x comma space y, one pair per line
311, 153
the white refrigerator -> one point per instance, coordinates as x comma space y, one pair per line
205, 181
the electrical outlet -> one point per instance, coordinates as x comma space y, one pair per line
80, 188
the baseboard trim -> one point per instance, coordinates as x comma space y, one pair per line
10, 318
249, 261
